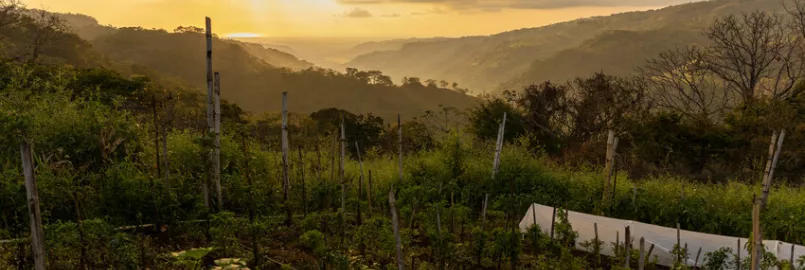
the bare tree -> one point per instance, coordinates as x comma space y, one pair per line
47, 28
9, 14
755, 54
680, 81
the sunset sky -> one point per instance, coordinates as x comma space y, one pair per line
345, 18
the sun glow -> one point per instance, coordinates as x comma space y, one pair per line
243, 35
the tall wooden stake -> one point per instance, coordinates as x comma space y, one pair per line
37, 235
757, 245
395, 222
608, 165
774, 154
641, 262
499, 146
217, 145
627, 245
208, 35
343, 182
286, 183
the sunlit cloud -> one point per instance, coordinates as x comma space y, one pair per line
243, 35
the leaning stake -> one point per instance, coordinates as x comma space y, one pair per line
37, 236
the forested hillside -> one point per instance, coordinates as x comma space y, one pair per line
483, 62
252, 76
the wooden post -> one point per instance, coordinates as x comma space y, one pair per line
596, 244
641, 262
209, 99
360, 180
791, 260
217, 143
286, 183
627, 246
343, 182
612, 175
399, 142
678, 244
738, 255
696, 262
553, 221
37, 234
608, 163
650, 249
617, 242
302, 177
396, 224
499, 146
757, 245
774, 154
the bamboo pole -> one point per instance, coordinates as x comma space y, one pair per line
37, 234
217, 143
286, 182
499, 146
208, 35
396, 225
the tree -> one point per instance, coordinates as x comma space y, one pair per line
189, 29
756, 54
444, 84
412, 82
431, 83
680, 82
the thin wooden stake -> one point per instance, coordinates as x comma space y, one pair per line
769, 173
396, 224
286, 182
757, 246
608, 163
210, 124
499, 146
650, 249
217, 143
791, 260
678, 243
597, 250
738, 255
343, 183
35, 217
627, 246
553, 221
696, 263
641, 262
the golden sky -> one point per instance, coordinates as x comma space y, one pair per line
344, 18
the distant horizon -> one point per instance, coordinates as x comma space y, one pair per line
345, 19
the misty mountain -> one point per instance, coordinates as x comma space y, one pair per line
558, 51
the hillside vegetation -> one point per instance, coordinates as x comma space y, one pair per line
484, 62
252, 76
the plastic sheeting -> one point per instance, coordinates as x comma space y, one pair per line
663, 238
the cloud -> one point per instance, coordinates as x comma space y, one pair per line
495, 5
392, 15
357, 13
